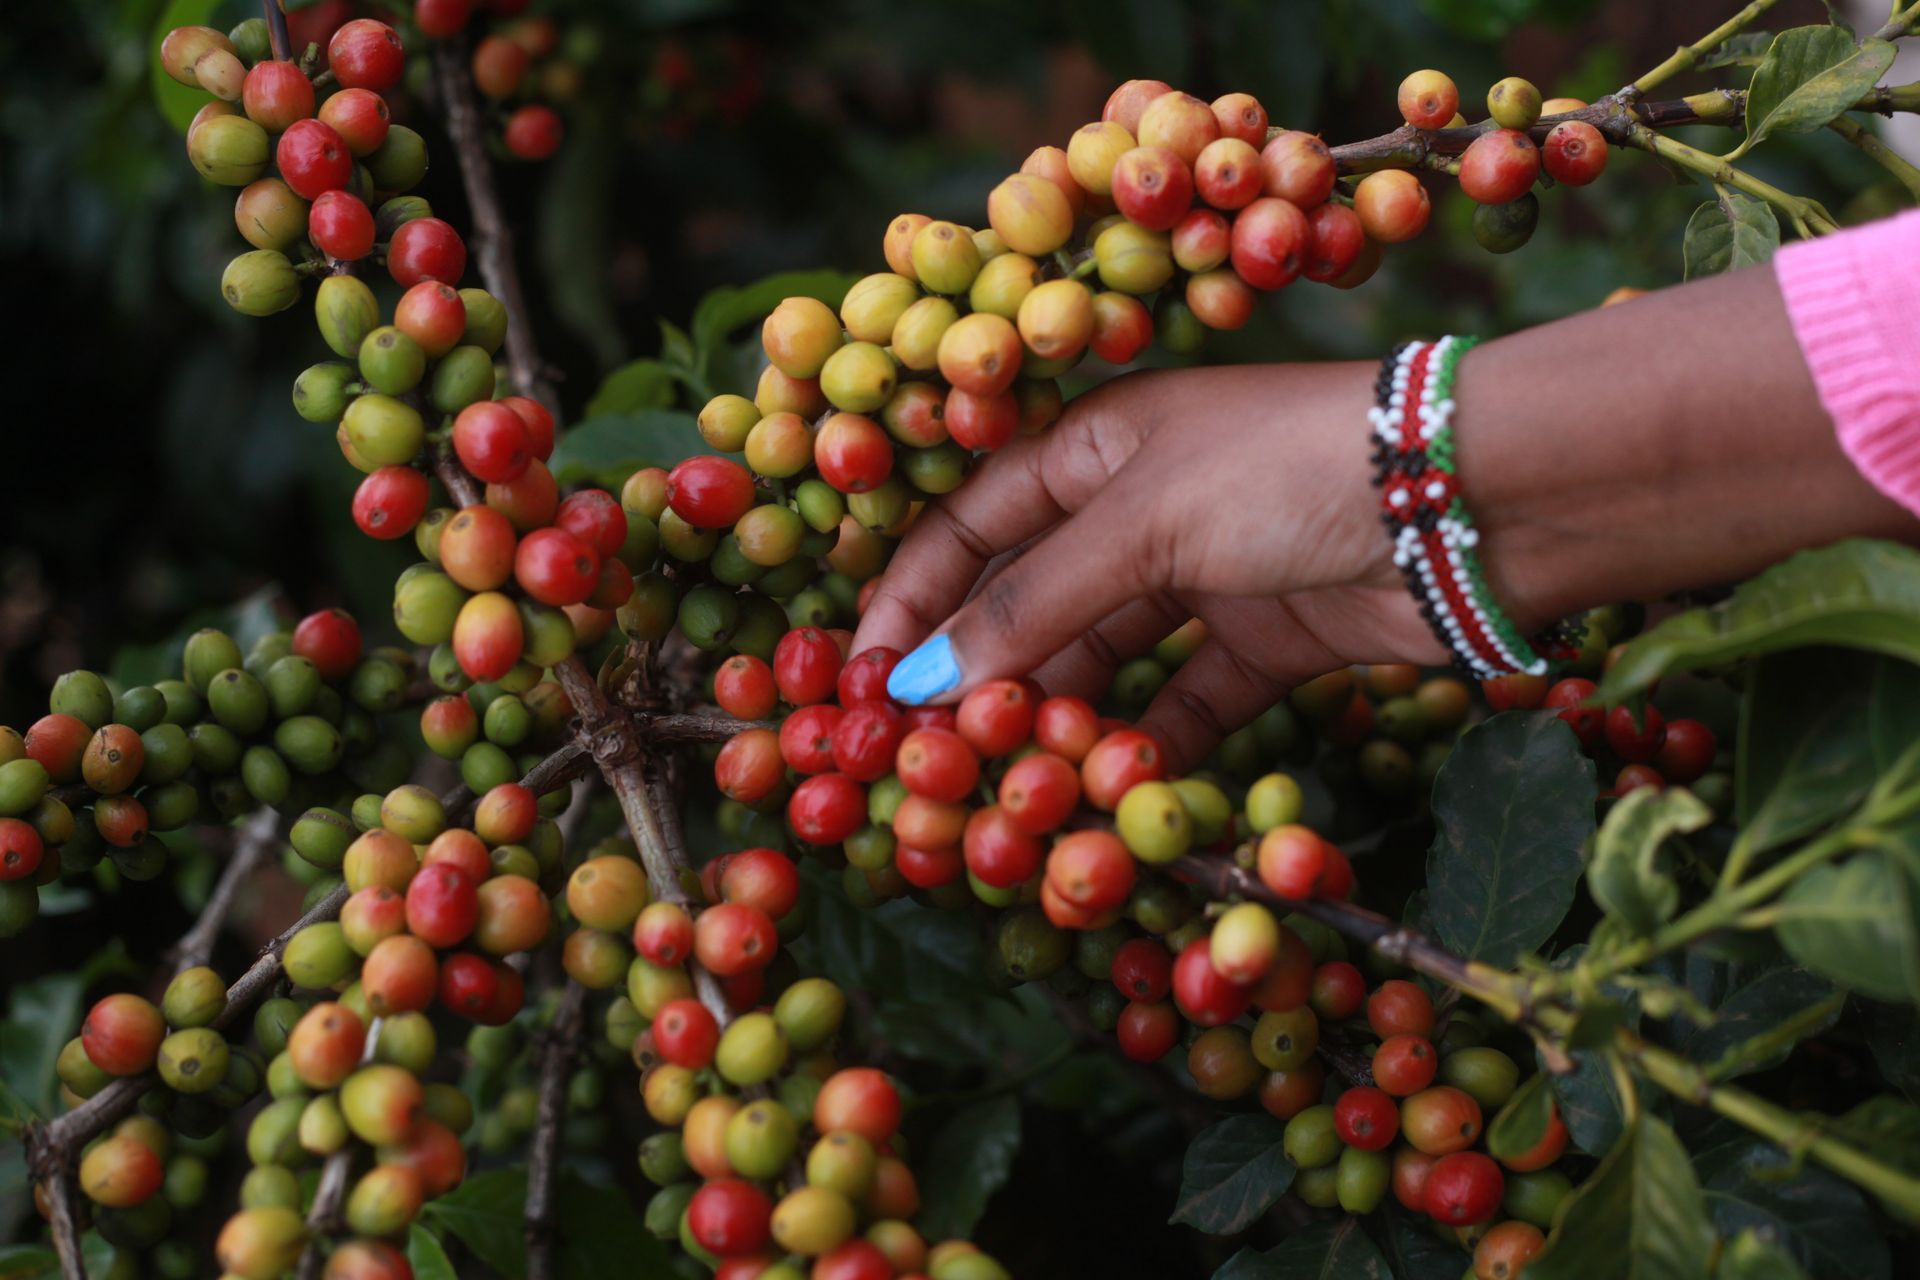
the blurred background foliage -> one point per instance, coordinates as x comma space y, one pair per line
155, 472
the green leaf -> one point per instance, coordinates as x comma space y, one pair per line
27, 1262
1745, 1033
1750, 1257
1336, 1250
605, 451
485, 1213
40, 1015
896, 951
1743, 50
601, 1237
1512, 808
1888, 1129
1822, 1220
573, 236
1858, 923
1232, 1174
1894, 1038
634, 386
1893, 713
1641, 1215
971, 1158
1589, 1107
1810, 76
1626, 874
1523, 1121
1726, 234
1804, 755
178, 102
427, 1256
1862, 593
1415, 1253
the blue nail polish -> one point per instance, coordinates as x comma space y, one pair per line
924, 674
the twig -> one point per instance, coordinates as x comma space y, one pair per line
461, 487
1687, 56
1889, 159
675, 729
492, 242
277, 30
1806, 215
543, 1153
1900, 24
257, 835
65, 1221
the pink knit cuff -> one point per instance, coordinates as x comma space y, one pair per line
1854, 302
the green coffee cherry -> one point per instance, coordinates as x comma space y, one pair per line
321, 836
486, 320
260, 283
762, 623
666, 1209
19, 904
485, 766
347, 312
547, 635
143, 862
408, 1041
184, 706
265, 774
1310, 1141
230, 150
383, 431
449, 1105
77, 1072
761, 1138
882, 507
270, 1186
708, 616
292, 684
663, 1158
308, 744
1176, 328
730, 566
139, 708
208, 653
413, 813
84, 696
318, 956
1502, 228
1514, 103
397, 213
507, 721
193, 1060
171, 805
1030, 947
391, 362
323, 1130
400, 162
752, 1050
425, 608
22, 783
274, 1136
194, 998
464, 376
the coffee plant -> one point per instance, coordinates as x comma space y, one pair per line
1609, 972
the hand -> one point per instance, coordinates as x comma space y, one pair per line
1238, 495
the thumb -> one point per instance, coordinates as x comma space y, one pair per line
1089, 566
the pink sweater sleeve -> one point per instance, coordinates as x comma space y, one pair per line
1854, 302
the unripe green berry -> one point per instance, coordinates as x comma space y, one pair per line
1502, 228
945, 259
347, 312
874, 305
230, 150
486, 320
858, 377
1514, 103
320, 393
760, 1138
84, 696
384, 431
193, 1060
194, 998
464, 376
260, 283
391, 362
752, 1050
400, 162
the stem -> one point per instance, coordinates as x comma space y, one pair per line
277, 30
1806, 215
1856, 133
543, 1153
1687, 56
461, 487
65, 1222
492, 242
1781, 1036
1900, 24
257, 835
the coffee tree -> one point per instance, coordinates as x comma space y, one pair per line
621, 837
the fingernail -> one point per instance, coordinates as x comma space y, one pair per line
924, 674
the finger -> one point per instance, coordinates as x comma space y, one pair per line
1085, 668
1017, 495
1217, 691
1090, 566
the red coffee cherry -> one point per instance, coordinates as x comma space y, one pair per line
861, 1100
120, 1172
1068, 727
744, 687
360, 117
534, 131
1142, 970
1367, 1118
733, 937
460, 849
490, 439
1499, 166
709, 492
937, 764
1338, 991
122, 1034
1589, 724
1291, 860
663, 933
1289, 983
730, 1217
1392, 205
340, 226
806, 666
1575, 152
762, 878
853, 453
864, 677
1296, 166
1405, 1064
1204, 997
1428, 99
1335, 239
1116, 764
330, 640
469, 985
439, 19
389, 502
275, 94
499, 65
1636, 740
1091, 870
749, 767
594, 516
1122, 327
1686, 751
1440, 1120
539, 423
1409, 1178
1505, 693
58, 741
806, 738
555, 568
426, 249
1147, 1031
506, 814
1126, 104
1153, 187
982, 422
21, 848
928, 868
365, 54
1552, 1144
1462, 1189
313, 159
325, 1045
432, 314
826, 809
865, 740
1269, 242
1398, 1007
1040, 791
1635, 776
443, 903
998, 850
685, 1033
996, 719
1228, 174
399, 975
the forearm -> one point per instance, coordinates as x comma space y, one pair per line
1674, 442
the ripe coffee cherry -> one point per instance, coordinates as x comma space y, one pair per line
534, 131
1241, 118
325, 1045
981, 422
979, 354
1398, 1007
1504, 693
1204, 997
1392, 205
442, 18
1499, 166
864, 676
853, 453
360, 117
806, 666
1068, 727
1116, 763
121, 1172
539, 421
749, 766
1686, 751
709, 492
1462, 1188
1428, 99
1180, 123
469, 985
1142, 970
432, 314
686, 1034
1636, 740
1153, 187
1404, 1064
122, 1034
1292, 860
1338, 991
1552, 1144
859, 1100
1297, 167
1335, 238
865, 741
1227, 174
936, 763
443, 904
488, 636
390, 501
1588, 723
1201, 241
1039, 792
1574, 153
996, 719
499, 65
806, 738
555, 568
998, 850
1505, 1250
313, 159
1440, 1120
762, 878
744, 687
731, 938
1126, 104
400, 975
276, 94
729, 1217
826, 809
426, 249
1269, 243
1122, 327
1147, 1031
21, 849
1366, 1118
365, 54
476, 548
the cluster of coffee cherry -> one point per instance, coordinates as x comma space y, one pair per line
294, 722
512, 63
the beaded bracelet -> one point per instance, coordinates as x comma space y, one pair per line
1432, 531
